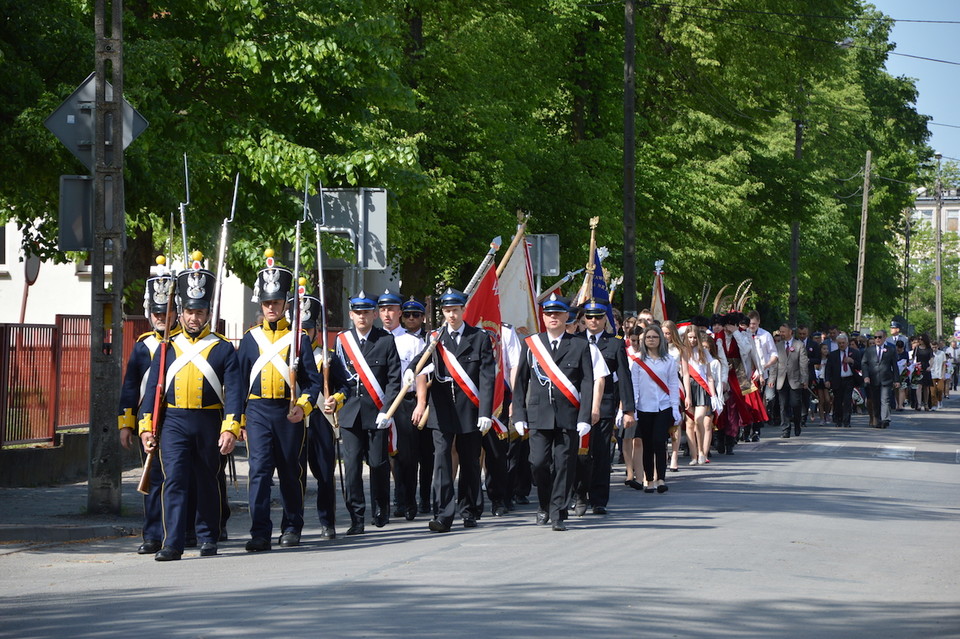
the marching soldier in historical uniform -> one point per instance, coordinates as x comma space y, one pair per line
592, 486
373, 367
321, 440
274, 410
199, 422
461, 411
553, 397
405, 461
157, 301
413, 316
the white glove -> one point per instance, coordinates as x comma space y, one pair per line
484, 424
583, 428
717, 404
383, 422
618, 422
409, 378
521, 428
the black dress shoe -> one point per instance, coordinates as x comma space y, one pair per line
328, 532
580, 509
559, 526
208, 549
469, 522
599, 510
522, 500
355, 529
662, 488
885, 423
500, 510
148, 547
167, 554
289, 539
797, 431
438, 526
410, 514
380, 520
633, 483
398, 511
258, 544
542, 518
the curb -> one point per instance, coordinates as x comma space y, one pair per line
33, 534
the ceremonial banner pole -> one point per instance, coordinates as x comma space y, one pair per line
587, 286
487, 260
520, 234
566, 278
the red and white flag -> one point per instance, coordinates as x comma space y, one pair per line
518, 298
483, 311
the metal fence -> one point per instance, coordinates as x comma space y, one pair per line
45, 376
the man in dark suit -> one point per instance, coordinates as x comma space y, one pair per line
553, 396
880, 376
461, 411
370, 357
592, 485
842, 376
791, 380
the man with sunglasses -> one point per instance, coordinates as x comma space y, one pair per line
412, 318
404, 463
592, 484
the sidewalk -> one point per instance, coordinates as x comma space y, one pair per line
52, 514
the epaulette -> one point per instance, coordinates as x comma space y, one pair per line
221, 336
251, 328
145, 335
618, 336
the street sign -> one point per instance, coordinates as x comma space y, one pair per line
362, 211
74, 122
545, 254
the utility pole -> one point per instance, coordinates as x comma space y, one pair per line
109, 238
629, 161
861, 257
906, 269
794, 299
939, 248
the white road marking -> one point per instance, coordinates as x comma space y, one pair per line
896, 452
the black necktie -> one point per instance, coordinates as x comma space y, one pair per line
593, 339
362, 342
553, 346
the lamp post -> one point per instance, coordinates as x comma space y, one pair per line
938, 277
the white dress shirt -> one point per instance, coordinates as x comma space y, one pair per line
649, 397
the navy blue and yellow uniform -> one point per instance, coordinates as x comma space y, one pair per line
321, 453
131, 396
275, 443
203, 397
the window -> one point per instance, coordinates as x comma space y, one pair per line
953, 220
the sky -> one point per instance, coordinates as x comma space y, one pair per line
938, 84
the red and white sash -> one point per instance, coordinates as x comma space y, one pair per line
459, 375
642, 364
350, 345
550, 368
698, 378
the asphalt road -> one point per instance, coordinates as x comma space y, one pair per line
838, 533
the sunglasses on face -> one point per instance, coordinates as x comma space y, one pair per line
412, 314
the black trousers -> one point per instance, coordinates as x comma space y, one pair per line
468, 487
519, 476
322, 459
425, 453
790, 414
495, 463
360, 444
592, 484
553, 461
842, 400
408, 454
653, 430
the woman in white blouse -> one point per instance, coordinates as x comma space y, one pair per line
703, 395
656, 387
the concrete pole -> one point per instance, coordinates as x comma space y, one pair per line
861, 258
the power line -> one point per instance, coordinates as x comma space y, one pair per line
796, 35
799, 15
952, 126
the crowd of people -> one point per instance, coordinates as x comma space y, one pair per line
461, 416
